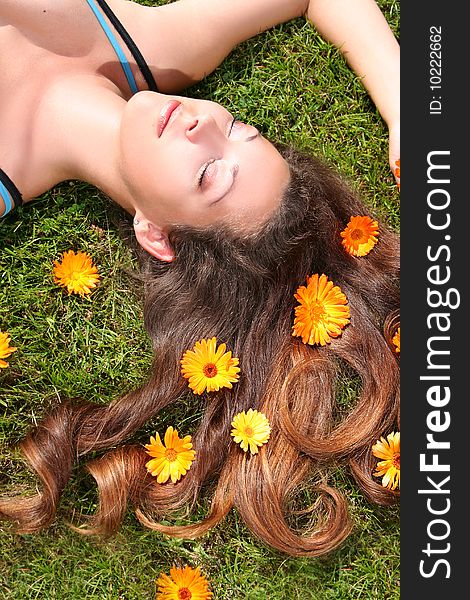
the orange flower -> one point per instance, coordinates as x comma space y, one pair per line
183, 584
5, 349
322, 312
360, 235
172, 459
396, 341
76, 272
397, 172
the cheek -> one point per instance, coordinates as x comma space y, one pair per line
264, 185
136, 139
164, 196
140, 166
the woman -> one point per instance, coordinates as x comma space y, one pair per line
239, 281
81, 97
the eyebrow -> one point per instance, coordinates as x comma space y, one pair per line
252, 137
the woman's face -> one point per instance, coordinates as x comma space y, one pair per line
189, 162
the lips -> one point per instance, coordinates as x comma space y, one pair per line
165, 115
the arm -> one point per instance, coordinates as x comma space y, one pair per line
360, 30
190, 38
185, 40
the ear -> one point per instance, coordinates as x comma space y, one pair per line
153, 239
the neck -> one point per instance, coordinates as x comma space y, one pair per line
86, 142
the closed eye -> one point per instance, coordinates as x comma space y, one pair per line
204, 171
241, 132
209, 162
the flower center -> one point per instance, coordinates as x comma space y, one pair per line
317, 311
170, 454
396, 461
356, 234
249, 431
184, 594
210, 370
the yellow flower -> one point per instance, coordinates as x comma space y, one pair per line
250, 429
5, 349
396, 341
171, 459
183, 584
322, 312
389, 468
76, 272
208, 367
360, 235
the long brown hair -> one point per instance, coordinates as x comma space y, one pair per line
240, 288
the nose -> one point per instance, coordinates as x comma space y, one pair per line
202, 127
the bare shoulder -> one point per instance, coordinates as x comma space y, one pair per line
25, 12
64, 27
184, 40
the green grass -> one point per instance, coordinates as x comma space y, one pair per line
294, 87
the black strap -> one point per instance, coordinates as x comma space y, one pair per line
12, 189
139, 59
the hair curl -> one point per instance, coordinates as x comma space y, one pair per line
240, 289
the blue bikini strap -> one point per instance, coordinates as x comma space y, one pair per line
9, 193
147, 74
115, 44
6, 199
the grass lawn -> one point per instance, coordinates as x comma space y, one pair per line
295, 87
